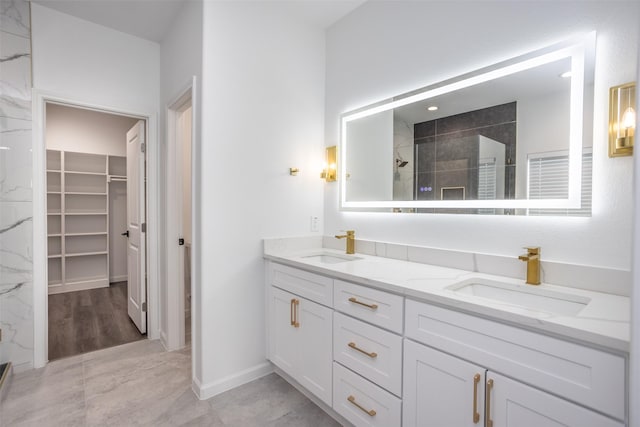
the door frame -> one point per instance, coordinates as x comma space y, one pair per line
40, 279
173, 337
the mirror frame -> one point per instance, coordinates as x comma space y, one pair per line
581, 50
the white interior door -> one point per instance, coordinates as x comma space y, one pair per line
136, 284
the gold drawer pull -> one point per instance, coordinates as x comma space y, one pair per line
488, 405
476, 414
355, 347
370, 412
294, 312
371, 306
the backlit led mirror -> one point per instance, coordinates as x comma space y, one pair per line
513, 138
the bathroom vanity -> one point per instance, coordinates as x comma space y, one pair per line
386, 342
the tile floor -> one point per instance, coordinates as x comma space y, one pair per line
140, 384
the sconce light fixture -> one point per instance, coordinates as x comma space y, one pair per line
330, 168
622, 119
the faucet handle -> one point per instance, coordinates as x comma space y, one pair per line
532, 250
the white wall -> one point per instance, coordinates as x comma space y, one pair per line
86, 131
263, 100
425, 42
93, 64
181, 60
88, 64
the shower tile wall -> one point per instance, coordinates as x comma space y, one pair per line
447, 150
16, 262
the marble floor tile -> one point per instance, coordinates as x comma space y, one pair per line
257, 403
140, 384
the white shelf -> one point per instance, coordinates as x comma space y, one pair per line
85, 173
84, 194
68, 255
83, 213
78, 207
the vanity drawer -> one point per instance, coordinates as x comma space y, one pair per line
378, 307
309, 285
370, 351
582, 374
363, 403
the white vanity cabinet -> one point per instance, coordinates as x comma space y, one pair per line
300, 340
441, 390
380, 359
522, 374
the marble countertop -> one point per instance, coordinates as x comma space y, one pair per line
604, 321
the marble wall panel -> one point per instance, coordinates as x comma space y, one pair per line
16, 287
16, 225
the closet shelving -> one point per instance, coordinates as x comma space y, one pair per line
77, 220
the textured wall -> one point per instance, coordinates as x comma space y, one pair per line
16, 265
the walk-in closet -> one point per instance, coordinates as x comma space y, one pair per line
86, 230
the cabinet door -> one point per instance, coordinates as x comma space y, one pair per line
440, 390
283, 336
513, 404
315, 348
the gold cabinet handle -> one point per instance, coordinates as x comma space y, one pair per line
371, 306
355, 347
476, 414
294, 312
488, 403
370, 412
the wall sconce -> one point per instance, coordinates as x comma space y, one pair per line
622, 119
330, 169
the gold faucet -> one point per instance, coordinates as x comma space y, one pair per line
351, 241
533, 265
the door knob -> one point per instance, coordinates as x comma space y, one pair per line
126, 233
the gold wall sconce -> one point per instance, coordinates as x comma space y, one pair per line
622, 119
330, 169
294, 171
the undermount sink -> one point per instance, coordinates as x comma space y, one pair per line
329, 258
525, 296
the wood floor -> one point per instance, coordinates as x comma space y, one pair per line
90, 320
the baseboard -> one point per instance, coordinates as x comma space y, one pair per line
115, 279
207, 391
78, 286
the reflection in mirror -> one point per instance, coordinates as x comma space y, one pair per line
502, 145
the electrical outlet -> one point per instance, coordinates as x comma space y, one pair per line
314, 223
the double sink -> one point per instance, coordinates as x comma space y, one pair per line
524, 296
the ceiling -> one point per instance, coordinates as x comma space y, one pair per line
150, 19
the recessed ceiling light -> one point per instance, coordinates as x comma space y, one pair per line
566, 74
432, 108
4, 148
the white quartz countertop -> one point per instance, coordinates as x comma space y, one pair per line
604, 321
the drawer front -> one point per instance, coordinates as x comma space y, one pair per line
368, 350
584, 375
363, 403
309, 285
378, 307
